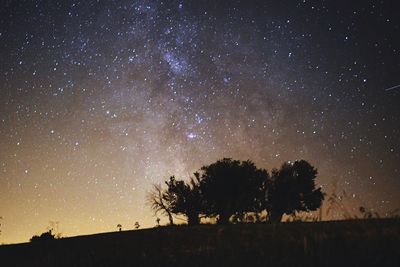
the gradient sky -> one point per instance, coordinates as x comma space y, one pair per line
101, 99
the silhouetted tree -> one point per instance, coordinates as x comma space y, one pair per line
160, 201
230, 187
119, 226
46, 236
186, 198
137, 225
291, 189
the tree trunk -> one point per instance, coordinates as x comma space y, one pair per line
193, 219
275, 216
171, 220
224, 218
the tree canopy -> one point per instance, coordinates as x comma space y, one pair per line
185, 198
231, 187
291, 189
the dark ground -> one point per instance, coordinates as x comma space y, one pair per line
342, 243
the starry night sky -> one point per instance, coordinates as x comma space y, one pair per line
100, 99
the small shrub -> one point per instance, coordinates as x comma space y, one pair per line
46, 236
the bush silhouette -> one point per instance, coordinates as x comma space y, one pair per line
46, 236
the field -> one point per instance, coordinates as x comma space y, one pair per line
339, 243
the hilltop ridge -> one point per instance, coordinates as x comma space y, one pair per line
337, 243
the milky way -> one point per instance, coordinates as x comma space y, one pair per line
101, 99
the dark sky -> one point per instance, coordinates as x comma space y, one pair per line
100, 99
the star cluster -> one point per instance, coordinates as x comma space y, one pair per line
101, 99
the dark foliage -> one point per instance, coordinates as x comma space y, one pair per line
230, 187
291, 189
46, 236
236, 188
185, 198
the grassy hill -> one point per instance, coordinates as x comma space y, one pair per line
340, 243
